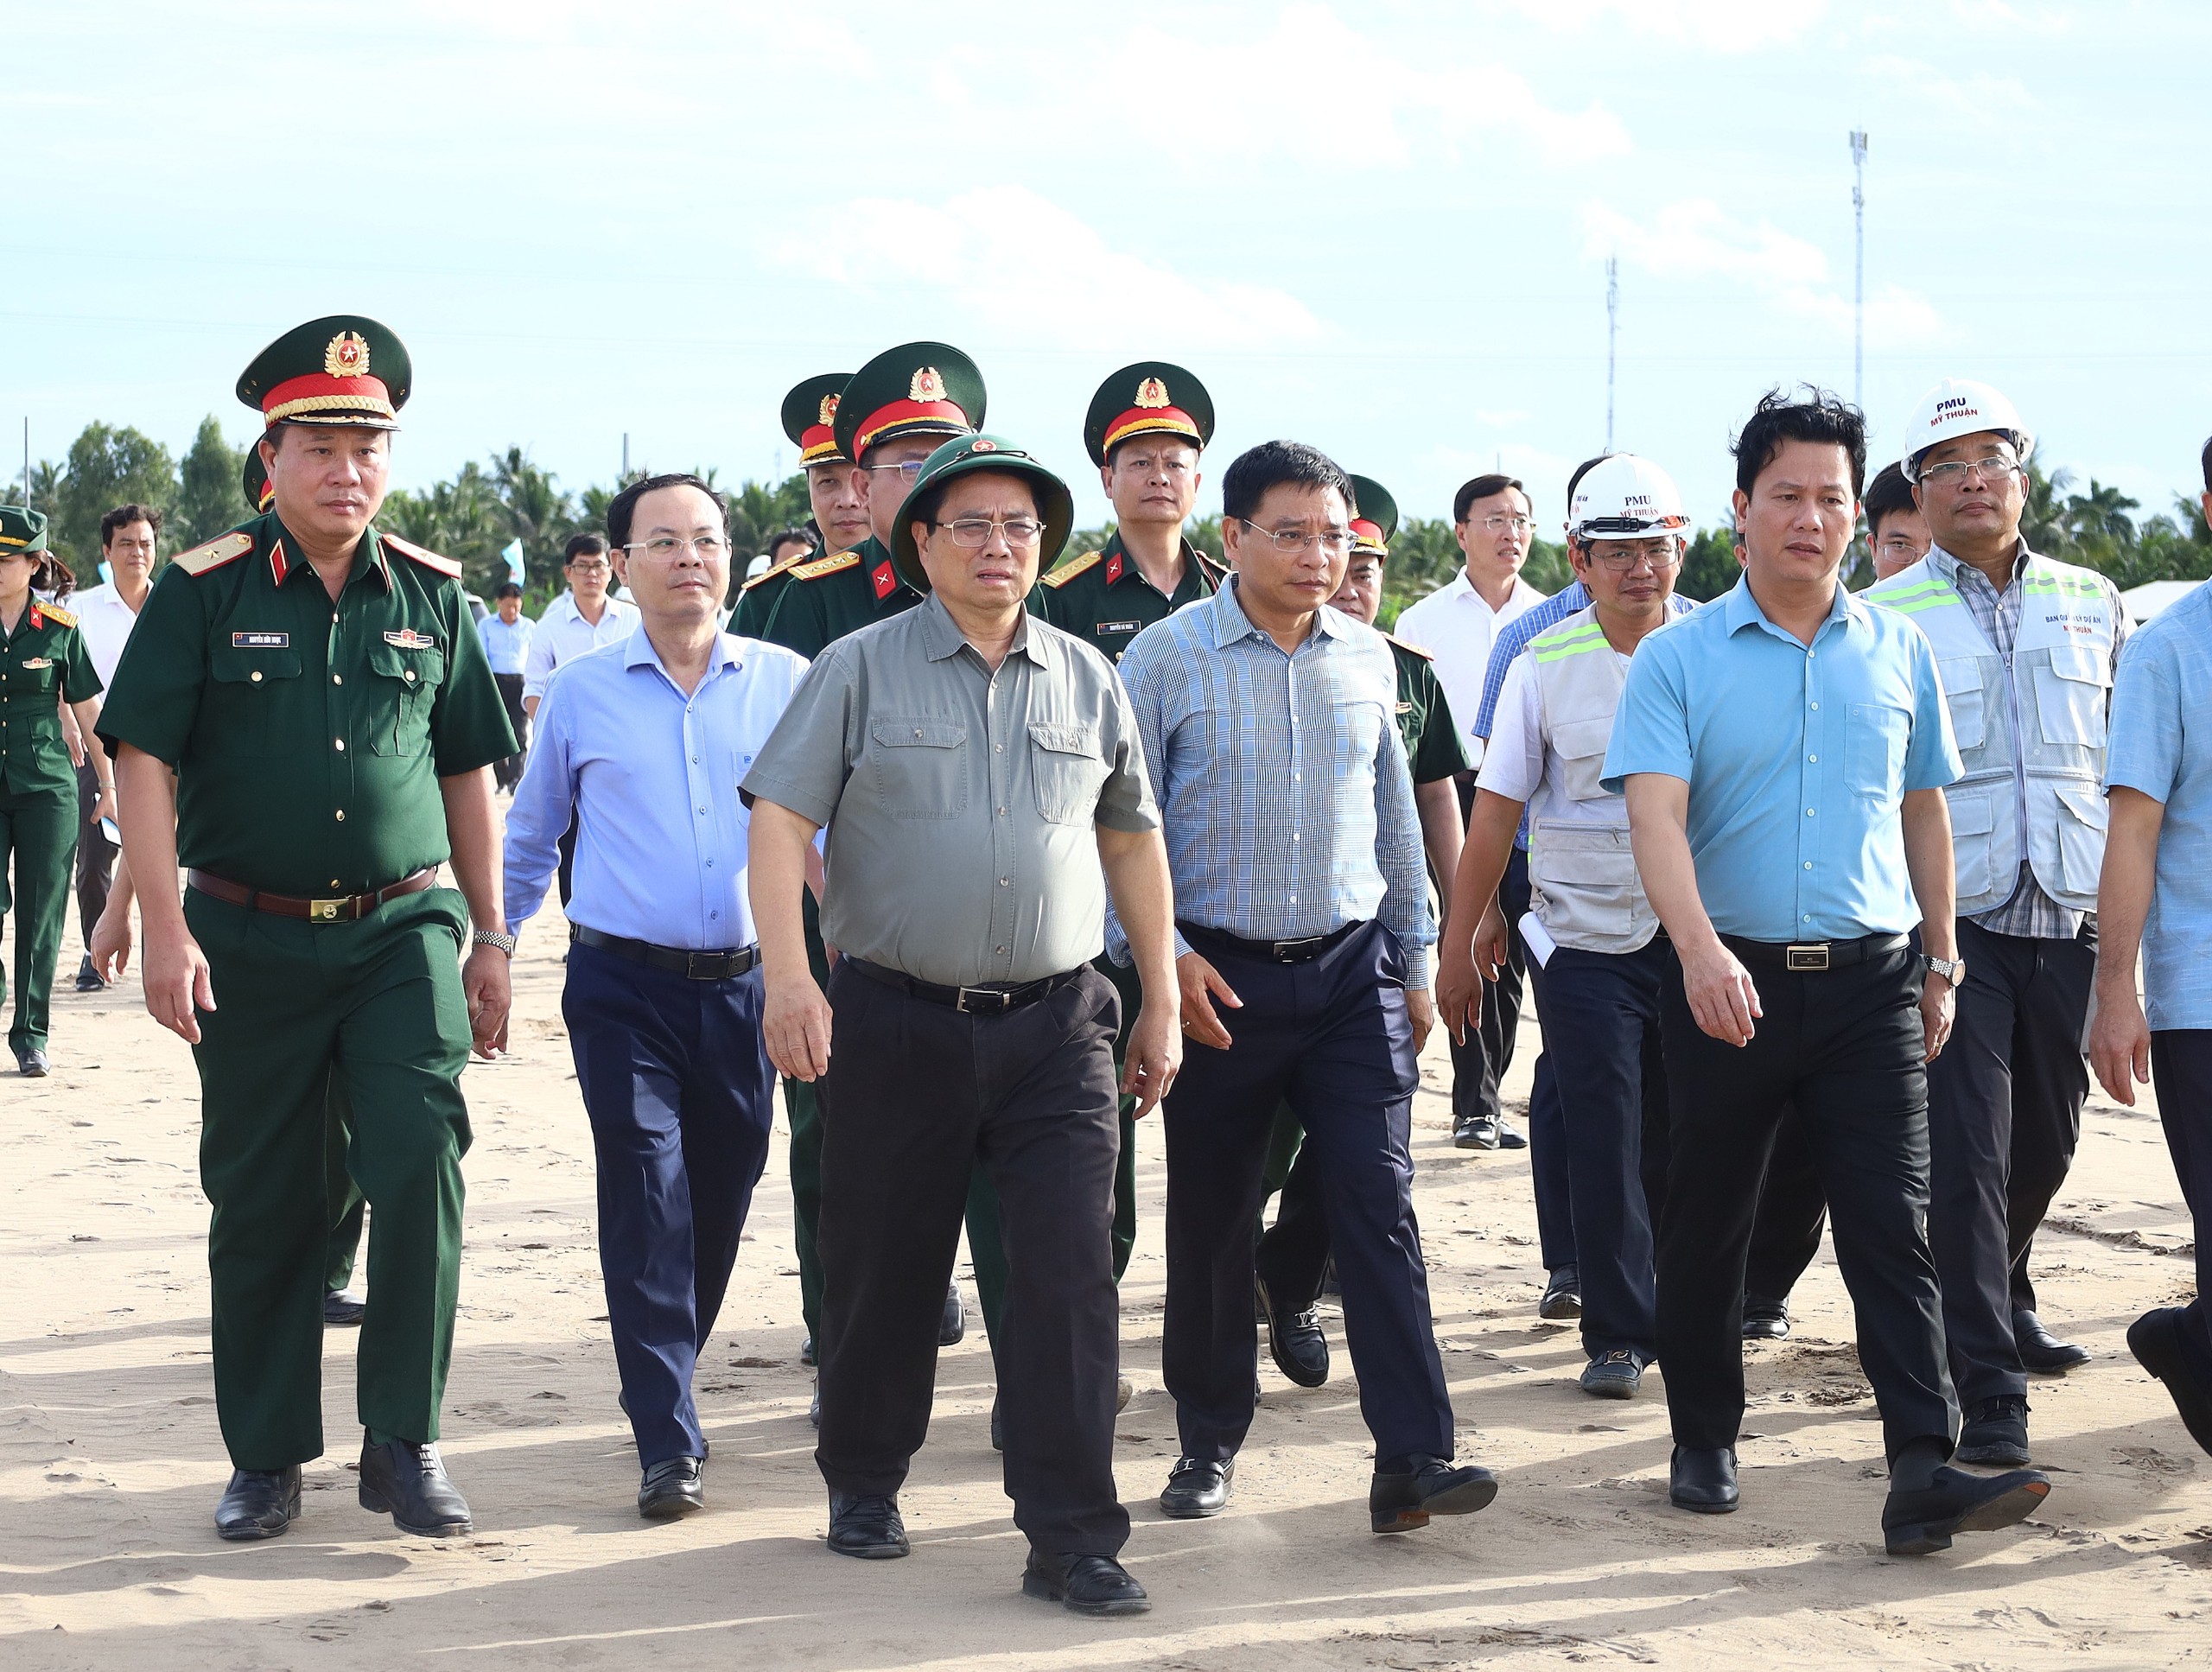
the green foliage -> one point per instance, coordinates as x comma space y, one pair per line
1709, 568
210, 497
759, 509
2097, 530
107, 468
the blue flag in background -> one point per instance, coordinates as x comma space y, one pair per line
512, 552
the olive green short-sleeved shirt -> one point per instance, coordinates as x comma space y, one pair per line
1432, 746
43, 664
961, 804
1103, 599
309, 738
820, 601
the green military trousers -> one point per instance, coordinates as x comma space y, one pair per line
377, 1004
348, 1207
39, 832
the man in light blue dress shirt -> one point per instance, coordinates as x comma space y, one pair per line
506, 634
642, 743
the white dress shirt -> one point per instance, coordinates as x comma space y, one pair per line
563, 635
106, 621
1456, 626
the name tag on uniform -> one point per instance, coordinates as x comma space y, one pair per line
261, 641
1116, 626
38, 661
408, 638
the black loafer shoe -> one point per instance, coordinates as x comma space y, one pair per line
674, 1487
1562, 1295
954, 1325
1995, 1431
31, 1062
2043, 1352
2155, 1339
806, 1352
869, 1527
814, 1409
88, 979
258, 1503
1614, 1375
1198, 1487
342, 1309
1403, 1501
1703, 1483
1510, 1139
408, 1482
998, 1428
1765, 1321
1920, 1523
1475, 1132
1294, 1340
1087, 1585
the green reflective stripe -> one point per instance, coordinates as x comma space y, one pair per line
1551, 646
1916, 604
1930, 589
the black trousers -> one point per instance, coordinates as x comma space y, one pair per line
2181, 1070
1612, 1092
917, 1093
95, 853
1793, 1212
1845, 1046
2004, 1114
1332, 1038
508, 772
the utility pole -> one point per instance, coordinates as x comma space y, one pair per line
1612, 334
1859, 268
625, 456
27, 462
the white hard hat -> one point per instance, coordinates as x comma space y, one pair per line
759, 566
1626, 498
1956, 407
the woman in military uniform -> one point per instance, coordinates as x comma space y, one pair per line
42, 657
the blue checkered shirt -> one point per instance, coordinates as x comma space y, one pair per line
1284, 793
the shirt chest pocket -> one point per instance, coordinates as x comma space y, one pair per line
1067, 771
401, 690
1581, 748
33, 673
920, 766
1873, 750
252, 695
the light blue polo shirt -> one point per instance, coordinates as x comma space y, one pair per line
1798, 758
2165, 676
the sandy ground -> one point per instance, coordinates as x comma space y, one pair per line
111, 1461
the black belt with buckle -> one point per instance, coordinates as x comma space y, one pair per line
1270, 952
970, 1001
1814, 955
727, 965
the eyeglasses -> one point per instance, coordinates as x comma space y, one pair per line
1335, 542
1497, 523
909, 468
667, 546
976, 531
1660, 554
597, 566
1953, 473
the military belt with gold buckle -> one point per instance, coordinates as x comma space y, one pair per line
344, 908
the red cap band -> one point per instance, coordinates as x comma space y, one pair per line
319, 391
902, 416
1142, 419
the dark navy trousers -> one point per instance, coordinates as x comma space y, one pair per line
1603, 1008
677, 1081
2181, 1070
1332, 1038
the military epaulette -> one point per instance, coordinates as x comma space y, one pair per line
445, 566
832, 564
55, 614
783, 568
223, 549
1425, 656
1075, 566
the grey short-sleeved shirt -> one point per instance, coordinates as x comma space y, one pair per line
960, 803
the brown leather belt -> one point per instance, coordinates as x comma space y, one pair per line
345, 908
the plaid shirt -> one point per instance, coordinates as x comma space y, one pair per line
2030, 914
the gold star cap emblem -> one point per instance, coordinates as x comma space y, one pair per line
1152, 394
348, 356
928, 385
829, 411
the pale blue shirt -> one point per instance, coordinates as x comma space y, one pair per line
652, 778
2164, 677
1798, 760
506, 646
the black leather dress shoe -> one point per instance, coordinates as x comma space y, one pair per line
998, 1427
1403, 1500
1703, 1483
258, 1503
1087, 1585
1562, 1295
2043, 1352
31, 1062
1920, 1523
88, 979
814, 1409
342, 1309
2155, 1339
1198, 1487
1475, 1132
408, 1482
1765, 1321
1508, 1138
1995, 1431
674, 1487
869, 1527
954, 1325
806, 1352
1294, 1340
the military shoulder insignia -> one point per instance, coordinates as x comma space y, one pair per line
223, 549
1425, 656
834, 564
58, 615
1074, 566
783, 568
445, 566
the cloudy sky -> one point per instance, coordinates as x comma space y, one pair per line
1380, 227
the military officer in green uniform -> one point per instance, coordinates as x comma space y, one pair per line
1294, 1252
840, 508
304, 718
43, 664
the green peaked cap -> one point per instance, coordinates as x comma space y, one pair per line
1373, 505
342, 369
21, 529
916, 389
810, 415
1149, 398
971, 455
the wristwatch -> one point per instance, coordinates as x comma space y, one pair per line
491, 938
1952, 970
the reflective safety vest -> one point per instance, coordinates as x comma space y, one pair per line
1583, 885
2031, 729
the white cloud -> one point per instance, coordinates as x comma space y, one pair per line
1032, 270
1717, 25
1977, 101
